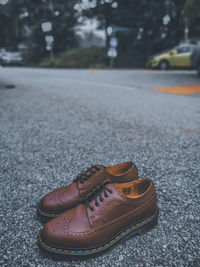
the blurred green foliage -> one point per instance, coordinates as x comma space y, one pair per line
21, 24
191, 17
191, 11
153, 27
93, 57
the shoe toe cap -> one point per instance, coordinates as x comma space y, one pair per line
53, 234
49, 203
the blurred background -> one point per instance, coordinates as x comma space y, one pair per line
99, 33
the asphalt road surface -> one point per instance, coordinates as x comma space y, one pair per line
56, 123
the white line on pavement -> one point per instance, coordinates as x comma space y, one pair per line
128, 88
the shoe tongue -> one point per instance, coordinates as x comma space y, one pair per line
126, 189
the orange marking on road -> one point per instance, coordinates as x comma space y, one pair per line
180, 90
148, 70
192, 131
94, 70
134, 133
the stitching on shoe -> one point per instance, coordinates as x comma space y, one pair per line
99, 248
49, 214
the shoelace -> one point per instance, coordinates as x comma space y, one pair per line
85, 175
98, 192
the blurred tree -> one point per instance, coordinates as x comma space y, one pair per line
4, 17
191, 17
100, 9
10, 23
150, 26
153, 25
145, 18
24, 19
61, 15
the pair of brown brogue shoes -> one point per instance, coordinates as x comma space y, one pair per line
102, 206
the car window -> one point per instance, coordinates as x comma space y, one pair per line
184, 49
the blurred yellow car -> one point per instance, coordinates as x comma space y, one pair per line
177, 57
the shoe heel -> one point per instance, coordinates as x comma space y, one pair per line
146, 228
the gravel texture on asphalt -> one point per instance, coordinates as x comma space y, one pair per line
54, 124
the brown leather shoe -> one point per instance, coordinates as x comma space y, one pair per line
61, 199
112, 212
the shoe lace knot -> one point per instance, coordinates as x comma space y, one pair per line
102, 189
85, 175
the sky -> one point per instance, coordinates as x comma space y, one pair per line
90, 25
